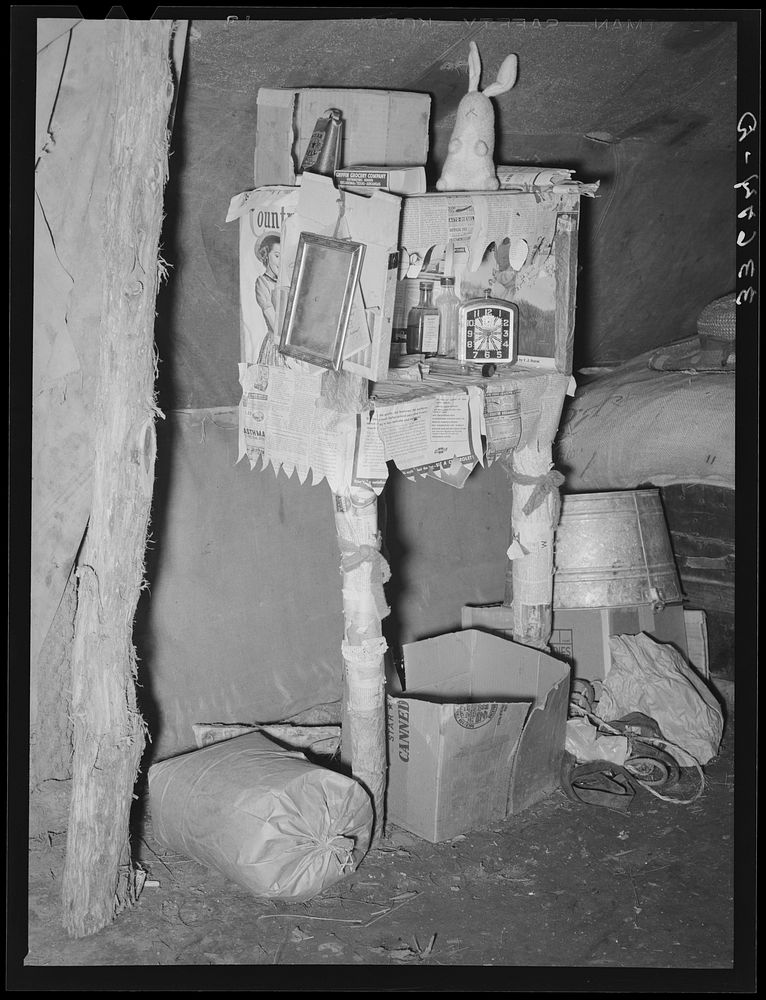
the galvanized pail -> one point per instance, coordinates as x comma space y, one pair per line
613, 550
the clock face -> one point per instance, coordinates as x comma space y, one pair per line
487, 333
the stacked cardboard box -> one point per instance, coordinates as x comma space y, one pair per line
580, 636
380, 127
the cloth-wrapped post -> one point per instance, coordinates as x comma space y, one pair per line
535, 514
364, 571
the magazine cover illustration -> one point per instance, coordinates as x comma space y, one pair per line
261, 215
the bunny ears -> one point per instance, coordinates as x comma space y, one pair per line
505, 78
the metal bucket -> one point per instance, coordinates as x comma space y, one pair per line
613, 550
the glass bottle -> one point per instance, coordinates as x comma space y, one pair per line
423, 323
448, 304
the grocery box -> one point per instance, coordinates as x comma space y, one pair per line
519, 245
581, 636
397, 180
379, 127
477, 734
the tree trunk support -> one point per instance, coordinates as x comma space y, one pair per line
108, 731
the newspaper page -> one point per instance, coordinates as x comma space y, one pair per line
557, 179
303, 436
253, 410
370, 466
431, 433
434, 220
502, 415
282, 425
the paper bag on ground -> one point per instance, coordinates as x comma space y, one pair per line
278, 825
646, 676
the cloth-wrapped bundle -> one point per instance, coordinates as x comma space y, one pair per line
278, 825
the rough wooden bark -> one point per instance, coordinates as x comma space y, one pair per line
364, 571
50, 736
108, 730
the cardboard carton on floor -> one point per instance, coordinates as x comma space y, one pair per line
581, 636
379, 127
696, 642
477, 734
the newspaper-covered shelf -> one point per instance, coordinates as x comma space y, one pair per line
440, 427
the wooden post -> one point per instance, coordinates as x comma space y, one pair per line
532, 573
364, 571
108, 731
534, 517
508, 589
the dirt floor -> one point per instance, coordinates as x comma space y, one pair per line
563, 885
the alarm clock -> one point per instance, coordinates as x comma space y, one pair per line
487, 331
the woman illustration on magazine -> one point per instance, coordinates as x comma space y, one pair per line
268, 252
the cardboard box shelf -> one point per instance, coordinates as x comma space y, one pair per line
520, 245
477, 734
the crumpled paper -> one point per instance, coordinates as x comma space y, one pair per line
653, 678
586, 744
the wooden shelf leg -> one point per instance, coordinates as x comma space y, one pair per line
364, 571
534, 520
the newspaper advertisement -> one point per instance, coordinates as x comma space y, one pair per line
436, 435
253, 409
262, 214
432, 224
502, 416
282, 425
370, 459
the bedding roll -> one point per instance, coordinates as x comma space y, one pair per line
272, 821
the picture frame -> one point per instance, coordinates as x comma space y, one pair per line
320, 299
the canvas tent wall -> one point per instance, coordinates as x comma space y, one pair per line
244, 613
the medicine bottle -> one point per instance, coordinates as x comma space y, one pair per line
447, 304
423, 323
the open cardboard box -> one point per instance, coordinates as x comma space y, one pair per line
379, 127
477, 734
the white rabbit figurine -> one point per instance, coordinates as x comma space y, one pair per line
470, 162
